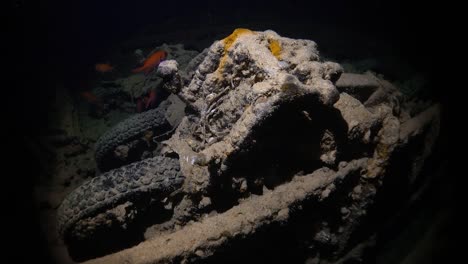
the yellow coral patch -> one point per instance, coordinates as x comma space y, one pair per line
382, 151
275, 48
229, 40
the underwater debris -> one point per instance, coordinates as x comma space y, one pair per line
260, 144
125, 132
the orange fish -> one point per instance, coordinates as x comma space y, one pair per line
151, 102
140, 104
104, 67
151, 62
90, 97
147, 102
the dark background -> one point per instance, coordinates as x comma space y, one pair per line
49, 41
62, 39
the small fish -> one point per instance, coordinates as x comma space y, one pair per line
151, 102
151, 62
90, 97
104, 67
140, 104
